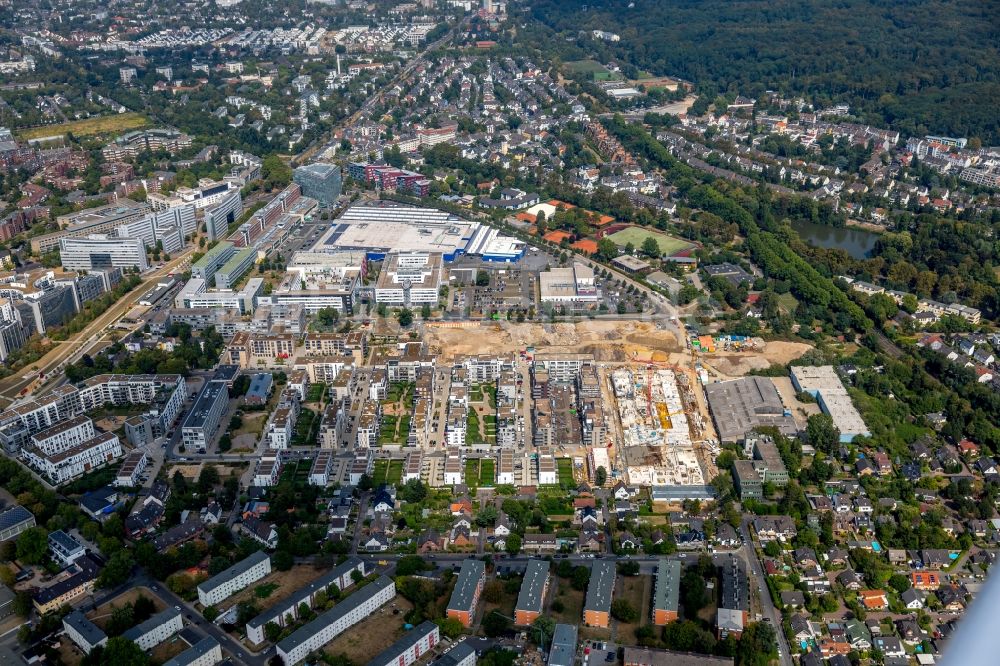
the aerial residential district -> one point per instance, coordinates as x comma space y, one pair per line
428, 332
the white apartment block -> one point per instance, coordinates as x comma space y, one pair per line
64, 435
267, 473
84, 633
76, 461
206, 652
281, 428
319, 473
330, 624
235, 578
156, 629
453, 467
410, 647
505, 467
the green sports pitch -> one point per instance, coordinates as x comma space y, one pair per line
669, 245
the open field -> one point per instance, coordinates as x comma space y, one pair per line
636, 235
606, 340
122, 122
591, 67
366, 639
637, 590
739, 364
655, 82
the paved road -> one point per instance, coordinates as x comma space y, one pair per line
767, 605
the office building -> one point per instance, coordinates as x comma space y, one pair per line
531, 598
410, 279
14, 520
410, 647
156, 629
575, 285
206, 652
465, 596
203, 421
84, 633
235, 578
100, 220
747, 481
212, 261
195, 296
563, 650
319, 181
330, 624
102, 252
597, 605
237, 266
666, 592
220, 216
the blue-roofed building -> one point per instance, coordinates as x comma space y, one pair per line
260, 389
15, 520
102, 503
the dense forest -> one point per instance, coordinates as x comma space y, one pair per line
921, 66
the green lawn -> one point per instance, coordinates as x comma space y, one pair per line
487, 472
472, 473
394, 474
669, 245
565, 469
380, 469
592, 67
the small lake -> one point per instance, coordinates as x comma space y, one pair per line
856, 242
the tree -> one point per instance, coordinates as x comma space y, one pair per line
628, 568
413, 490
899, 582
543, 627
601, 476
495, 624
405, 317
117, 570
425, 311
23, 604
624, 611
607, 249
409, 565
482, 278
123, 652
581, 577
651, 248
272, 631
513, 544
450, 627
493, 591
757, 646
822, 433
33, 545
282, 560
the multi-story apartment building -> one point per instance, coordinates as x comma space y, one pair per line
333, 426
319, 472
78, 584
410, 647
287, 611
132, 144
84, 633
156, 629
282, 426
75, 461
203, 422
235, 578
666, 591
597, 605
268, 471
465, 596
206, 652
330, 624
369, 424
531, 598
64, 435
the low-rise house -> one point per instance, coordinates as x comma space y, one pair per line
874, 599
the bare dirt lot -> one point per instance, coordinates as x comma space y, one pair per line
606, 340
365, 640
287, 582
740, 363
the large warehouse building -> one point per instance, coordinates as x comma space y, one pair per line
823, 384
740, 405
382, 228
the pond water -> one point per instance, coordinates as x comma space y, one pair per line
856, 242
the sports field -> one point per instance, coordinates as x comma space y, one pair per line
636, 235
591, 67
116, 124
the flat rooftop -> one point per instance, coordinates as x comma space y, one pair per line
383, 229
209, 394
740, 405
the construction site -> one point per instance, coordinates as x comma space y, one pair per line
660, 420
